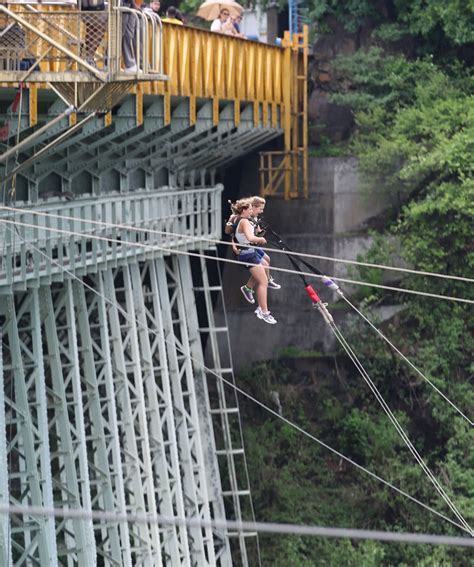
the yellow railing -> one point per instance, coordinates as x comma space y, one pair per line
205, 64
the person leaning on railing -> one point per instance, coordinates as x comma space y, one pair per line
172, 16
223, 24
236, 23
154, 7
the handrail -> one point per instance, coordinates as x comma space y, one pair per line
155, 19
49, 40
191, 215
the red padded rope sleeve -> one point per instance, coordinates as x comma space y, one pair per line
312, 294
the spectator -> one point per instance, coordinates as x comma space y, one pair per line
236, 23
172, 14
153, 7
180, 16
220, 24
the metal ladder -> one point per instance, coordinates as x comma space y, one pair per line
224, 408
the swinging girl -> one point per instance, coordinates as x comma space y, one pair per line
252, 257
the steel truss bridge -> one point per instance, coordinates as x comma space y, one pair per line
108, 402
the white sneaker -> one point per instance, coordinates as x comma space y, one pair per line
267, 317
132, 69
91, 62
273, 285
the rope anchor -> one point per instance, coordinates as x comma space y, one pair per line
323, 309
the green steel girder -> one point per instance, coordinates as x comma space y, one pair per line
245, 125
129, 425
205, 418
126, 145
125, 121
203, 133
245, 144
188, 435
5, 529
138, 441
164, 461
66, 426
173, 211
55, 109
27, 426
136, 146
58, 164
226, 147
102, 435
224, 412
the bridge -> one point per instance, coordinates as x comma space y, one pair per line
111, 194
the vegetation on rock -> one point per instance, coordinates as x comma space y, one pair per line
414, 137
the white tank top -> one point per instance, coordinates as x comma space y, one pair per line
240, 236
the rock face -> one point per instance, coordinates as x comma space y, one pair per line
331, 223
330, 122
327, 120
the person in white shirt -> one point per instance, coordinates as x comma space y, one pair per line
221, 24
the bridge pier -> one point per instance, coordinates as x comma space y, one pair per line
105, 402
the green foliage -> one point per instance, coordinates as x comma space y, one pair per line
437, 23
415, 122
381, 81
454, 18
326, 148
353, 13
415, 140
296, 480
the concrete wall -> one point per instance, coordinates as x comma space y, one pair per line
329, 223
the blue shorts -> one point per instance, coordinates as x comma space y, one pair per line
251, 256
260, 252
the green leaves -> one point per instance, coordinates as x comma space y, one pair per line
436, 22
415, 122
425, 17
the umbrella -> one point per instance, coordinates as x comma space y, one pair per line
211, 9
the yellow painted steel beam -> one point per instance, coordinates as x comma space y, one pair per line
287, 123
139, 104
237, 113
33, 104
192, 110
200, 63
215, 111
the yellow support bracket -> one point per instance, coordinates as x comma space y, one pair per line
33, 104
288, 169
